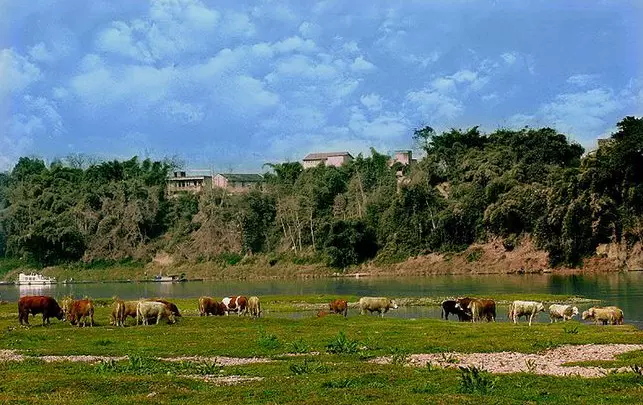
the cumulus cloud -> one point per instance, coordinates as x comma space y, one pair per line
17, 72
362, 65
372, 101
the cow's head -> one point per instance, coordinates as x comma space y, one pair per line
586, 314
540, 307
574, 311
394, 304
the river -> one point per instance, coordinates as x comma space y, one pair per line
624, 290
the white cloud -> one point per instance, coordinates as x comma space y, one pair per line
40, 53
372, 101
509, 57
435, 105
295, 44
16, 72
581, 113
310, 30
582, 80
184, 112
362, 65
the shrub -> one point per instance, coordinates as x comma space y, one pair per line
308, 367
268, 341
475, 381
342, 345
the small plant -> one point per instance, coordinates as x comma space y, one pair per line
474, 255
475, 381
298, 346
342, 383
399, 357
342, 345
449, 358
430, 366
107, 366
104, 342
268, 341
308, 367
208, 368
531, 365
573, 331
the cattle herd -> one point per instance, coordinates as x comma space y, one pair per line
144, 311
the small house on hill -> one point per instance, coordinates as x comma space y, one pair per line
194, 181
327, 158
237, 182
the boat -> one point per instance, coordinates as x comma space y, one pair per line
172, 278
34, 279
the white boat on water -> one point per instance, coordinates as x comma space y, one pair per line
34, 279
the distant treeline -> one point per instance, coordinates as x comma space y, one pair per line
468, 188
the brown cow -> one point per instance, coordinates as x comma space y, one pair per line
339, 307
210, 306
483, 309
81, 309
38, 304
237, 304
129, 310
321, 314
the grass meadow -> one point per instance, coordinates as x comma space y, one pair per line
312, 360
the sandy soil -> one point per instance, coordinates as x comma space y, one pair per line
12, 355
549, 362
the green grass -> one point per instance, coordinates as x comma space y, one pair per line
340, 374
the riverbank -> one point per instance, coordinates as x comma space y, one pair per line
489, 258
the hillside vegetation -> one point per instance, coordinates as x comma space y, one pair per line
468, 189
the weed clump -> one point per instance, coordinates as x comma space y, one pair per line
476, 381
342, 345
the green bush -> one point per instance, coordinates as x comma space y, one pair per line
342, 345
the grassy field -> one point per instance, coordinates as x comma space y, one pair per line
332, 366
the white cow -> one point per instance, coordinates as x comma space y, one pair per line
376, 304
153, 309
564, 312
525, 308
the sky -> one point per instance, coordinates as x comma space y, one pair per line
231, 85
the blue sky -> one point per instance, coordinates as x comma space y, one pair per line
230, 85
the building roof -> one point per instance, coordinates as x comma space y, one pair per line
188, 178
246, 178
325, 155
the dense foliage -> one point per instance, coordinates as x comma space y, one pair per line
468, 187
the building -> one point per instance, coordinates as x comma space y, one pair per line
327, 158
195, 181
405, 157
237, 182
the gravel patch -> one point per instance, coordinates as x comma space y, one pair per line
222, 360
224, 380
550, 362
12, 355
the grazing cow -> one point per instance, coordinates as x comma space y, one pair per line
210, 306
129, 310
479, 308
117, 316
254, 306
525, 308
38, 304
376, 304
81, 309
171, 306
153, 309
564, 312
449, 307
237, 304
606, 315
339, 307
65, 305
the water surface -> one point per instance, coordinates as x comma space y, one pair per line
624, 290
